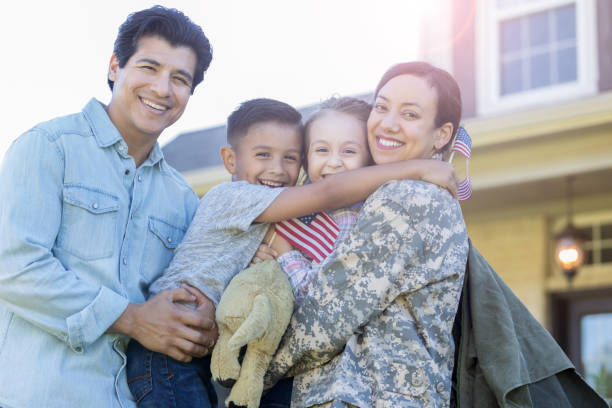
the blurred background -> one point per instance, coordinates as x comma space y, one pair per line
536, 81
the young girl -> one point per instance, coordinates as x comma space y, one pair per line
336, 140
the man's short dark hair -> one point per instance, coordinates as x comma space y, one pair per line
257, 111
169, 24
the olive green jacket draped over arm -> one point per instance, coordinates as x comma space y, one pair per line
505, 357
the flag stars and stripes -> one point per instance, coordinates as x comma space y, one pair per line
313, 234
463, 145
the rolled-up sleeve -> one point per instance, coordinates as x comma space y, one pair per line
33, 282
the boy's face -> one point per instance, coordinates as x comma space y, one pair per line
151, 91
269, 154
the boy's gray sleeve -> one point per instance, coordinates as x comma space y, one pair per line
235, 205
219, 239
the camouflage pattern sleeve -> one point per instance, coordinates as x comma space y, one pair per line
388, 253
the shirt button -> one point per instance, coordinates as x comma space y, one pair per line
417, 378
95, 206
139, 177
121, 147
124, 261
440, 387
78, 349
169, 240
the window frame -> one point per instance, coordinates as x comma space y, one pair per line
594, 221
488, 65
567, 308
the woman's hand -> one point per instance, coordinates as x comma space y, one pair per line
442, 174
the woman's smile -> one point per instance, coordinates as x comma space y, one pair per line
385, 143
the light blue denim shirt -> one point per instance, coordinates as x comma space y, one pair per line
83, 232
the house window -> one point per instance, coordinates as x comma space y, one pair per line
538, 50
598, 244
534, 52
596, 351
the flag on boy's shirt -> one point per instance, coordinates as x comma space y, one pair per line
314, 234
463, 145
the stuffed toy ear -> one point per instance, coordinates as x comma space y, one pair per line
254, 311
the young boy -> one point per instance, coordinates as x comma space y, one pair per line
264, 157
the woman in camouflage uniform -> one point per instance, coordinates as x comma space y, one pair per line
375, 328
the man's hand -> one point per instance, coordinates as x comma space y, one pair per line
206, 310
162, 325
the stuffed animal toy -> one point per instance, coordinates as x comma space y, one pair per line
254, 310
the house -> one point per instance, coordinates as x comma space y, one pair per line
536, 81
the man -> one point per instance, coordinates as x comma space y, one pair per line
90, 214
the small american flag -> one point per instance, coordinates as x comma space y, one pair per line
314, 234
463, 145
464, 190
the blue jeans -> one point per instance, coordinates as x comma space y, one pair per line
159, 381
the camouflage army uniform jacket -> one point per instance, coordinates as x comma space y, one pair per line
374, 329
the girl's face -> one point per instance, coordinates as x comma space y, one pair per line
401, 125
336, 142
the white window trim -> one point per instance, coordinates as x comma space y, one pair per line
489, 98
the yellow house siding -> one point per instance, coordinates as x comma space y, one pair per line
518, 242
541, 158
203, 180
516, 248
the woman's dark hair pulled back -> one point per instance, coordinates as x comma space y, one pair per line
447, 90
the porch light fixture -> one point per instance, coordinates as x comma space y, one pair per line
569, 253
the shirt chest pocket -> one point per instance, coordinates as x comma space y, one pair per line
406, 379
161, 240
89, 222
